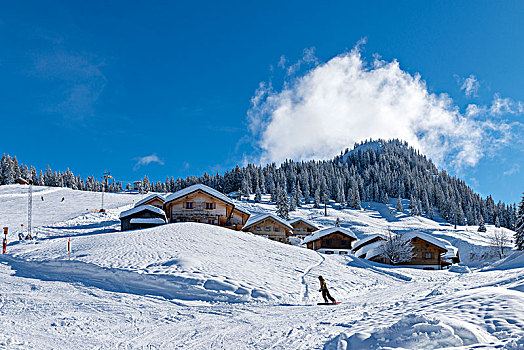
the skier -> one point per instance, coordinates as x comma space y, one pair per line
20, 236
325, 291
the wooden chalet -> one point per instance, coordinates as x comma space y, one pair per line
201, 203
302, 227
270, 226
21, 181
429, 252
333, 240
143, 216
155, 200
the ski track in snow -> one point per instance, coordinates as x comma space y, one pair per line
305, 287
195, 286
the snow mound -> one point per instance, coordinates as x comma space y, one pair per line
514, 261
184, 261
413, 331
459, 269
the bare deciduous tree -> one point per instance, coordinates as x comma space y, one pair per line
499, 241
396, 249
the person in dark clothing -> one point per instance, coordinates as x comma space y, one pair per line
325, 291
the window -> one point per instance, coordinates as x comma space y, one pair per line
258, 228
428, 255
328, 241
342, 252
188, 205
328, 252
268, 228
277, 229
210, 205
211, 221
297, 229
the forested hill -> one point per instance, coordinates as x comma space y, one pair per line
371, 171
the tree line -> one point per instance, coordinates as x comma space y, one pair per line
372, 171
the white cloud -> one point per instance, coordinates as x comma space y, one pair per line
470, 85
308, 58
342, 101
515, 169
141, 161
282, 62
499, 106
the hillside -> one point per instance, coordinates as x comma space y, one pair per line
199, 286
374, 170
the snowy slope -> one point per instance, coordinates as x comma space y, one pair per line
49, 208
195, 286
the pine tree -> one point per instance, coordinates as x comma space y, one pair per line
413, 206
398, 206
299, 195
306, 194
316, 199
482, 226
519, 226
258, 194
293, 199
245, 187
283, 205
292, 202
354, 199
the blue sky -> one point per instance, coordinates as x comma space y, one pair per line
173, 89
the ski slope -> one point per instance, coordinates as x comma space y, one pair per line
196, 286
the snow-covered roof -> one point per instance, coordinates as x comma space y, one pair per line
199, 187
369, 251
367, 239
148, 198
147, 221
324, 232
292, 221
428, 238
258, 218
242, 209
141, 208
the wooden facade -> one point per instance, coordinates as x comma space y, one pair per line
270, 227
201, 206
21, 181
335, 241
426, 253
302, 227
154, 200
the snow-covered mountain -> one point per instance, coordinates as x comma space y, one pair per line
198, 286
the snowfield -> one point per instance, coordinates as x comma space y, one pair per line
196, 286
